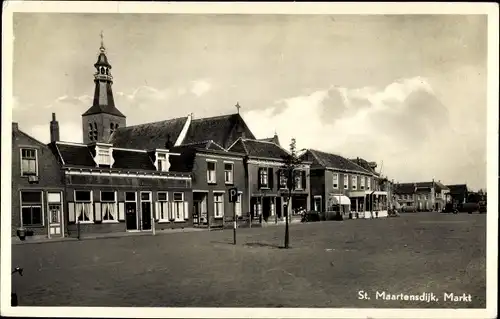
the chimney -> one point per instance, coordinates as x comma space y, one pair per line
15, 126
54, 129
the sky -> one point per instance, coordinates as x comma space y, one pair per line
406, 91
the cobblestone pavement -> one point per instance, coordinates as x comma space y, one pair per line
328, 264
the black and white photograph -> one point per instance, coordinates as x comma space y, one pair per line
220, 160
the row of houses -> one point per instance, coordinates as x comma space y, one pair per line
174, 173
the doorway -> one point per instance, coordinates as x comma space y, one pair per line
266, 208
130, 211
55, 216
317, 204
146, 210
278, 207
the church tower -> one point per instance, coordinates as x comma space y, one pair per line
102, 118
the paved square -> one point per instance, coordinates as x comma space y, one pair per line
329, 264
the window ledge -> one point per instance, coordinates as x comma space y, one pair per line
32, 226
110, 222
163, 221
229, 183
179, 221
219, 217
212, 183
84, 222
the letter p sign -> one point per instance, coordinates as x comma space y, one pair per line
233, 195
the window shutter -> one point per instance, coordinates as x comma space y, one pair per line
171, 210
71, 212
121, 211
186, 210
157, 211
97, 209
259, 185
304, 179
270, 177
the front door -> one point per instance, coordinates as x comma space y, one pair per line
317, 204
131, 215
146, 215
196, 212
55, 220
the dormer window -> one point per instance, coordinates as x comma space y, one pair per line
104, 155
161, 159
162, 162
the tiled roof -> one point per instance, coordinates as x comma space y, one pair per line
80, 155
369, 166
108, 109
75, 155
132, 160
258, 148
273, 139
328, 160
223, 130
457, 189
207, 145
149, 135
409, 188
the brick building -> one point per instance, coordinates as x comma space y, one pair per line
340, 185
266, 181
37, 187
421, 196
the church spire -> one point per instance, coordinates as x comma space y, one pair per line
103, 106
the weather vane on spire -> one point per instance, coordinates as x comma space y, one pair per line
102, 41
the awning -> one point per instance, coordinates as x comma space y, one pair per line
339, 199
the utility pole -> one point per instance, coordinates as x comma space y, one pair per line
291, 163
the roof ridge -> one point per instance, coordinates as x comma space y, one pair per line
215, 117
157, 122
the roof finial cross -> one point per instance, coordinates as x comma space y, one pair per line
238, 107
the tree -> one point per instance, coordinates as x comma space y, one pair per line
291, 163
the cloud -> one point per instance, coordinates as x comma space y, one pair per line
200, 87
403, 124
68, 132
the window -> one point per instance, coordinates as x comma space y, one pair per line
179, 210
354, 182
346, 181
368, 183
31, 209
83, 206
263, 176
93, 131
228, 173
162, 162
218, 205
362, 183
282, 179
163, 213
28, 162
425, 197
211, 172
238, 205
130, 196
298, 179
103, 156
108, 206
335, 177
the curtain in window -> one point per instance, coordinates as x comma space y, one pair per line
83, 211
29, 165
109, 211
